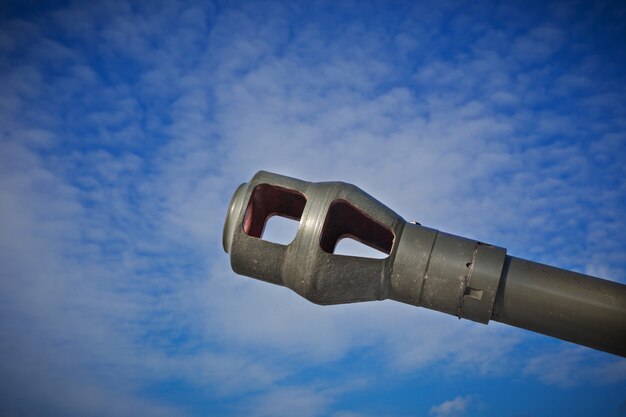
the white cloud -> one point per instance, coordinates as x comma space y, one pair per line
451, 408
348, 414
290, 401
572, 366
538, 44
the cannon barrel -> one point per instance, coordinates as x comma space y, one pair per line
423, 267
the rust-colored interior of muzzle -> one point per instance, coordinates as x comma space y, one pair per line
267, 201
345, 220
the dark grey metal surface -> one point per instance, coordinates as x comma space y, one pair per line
424, 267
564, 304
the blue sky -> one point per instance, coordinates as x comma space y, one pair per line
125, 128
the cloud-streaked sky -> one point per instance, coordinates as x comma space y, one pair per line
125, 127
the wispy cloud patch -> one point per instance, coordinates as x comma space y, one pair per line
451, 408
570, 367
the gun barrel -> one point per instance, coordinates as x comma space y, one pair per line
576, 307
424, 267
